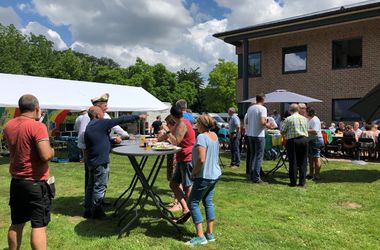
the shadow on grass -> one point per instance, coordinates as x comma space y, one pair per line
152, 228
71, 206
359, 175
273, 178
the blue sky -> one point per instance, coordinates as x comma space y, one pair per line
177, 33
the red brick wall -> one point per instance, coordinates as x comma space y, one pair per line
320, 81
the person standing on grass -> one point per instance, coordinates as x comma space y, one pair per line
171, 160
156, 126
315, 144
30, 152
101, 102
206, 173
98, 146
182, 135
295, 130
257, 122
234, 130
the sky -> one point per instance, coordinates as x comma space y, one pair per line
176, 33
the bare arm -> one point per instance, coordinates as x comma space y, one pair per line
179, 135
44, 150
264, 122
200, 160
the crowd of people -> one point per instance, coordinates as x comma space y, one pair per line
303, 133
192, 173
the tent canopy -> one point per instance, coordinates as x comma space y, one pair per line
282, 95
74, 95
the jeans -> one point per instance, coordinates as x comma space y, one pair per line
203, 189
235, 152
96, 187
257, 146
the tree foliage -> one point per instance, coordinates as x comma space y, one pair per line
221, 88
35, 55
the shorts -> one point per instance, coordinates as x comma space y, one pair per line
30, 201
315, 145
182, 173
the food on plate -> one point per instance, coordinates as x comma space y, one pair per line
163, 147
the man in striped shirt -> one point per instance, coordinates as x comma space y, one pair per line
295, 130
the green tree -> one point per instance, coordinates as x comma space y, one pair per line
220, 93
140, 74
13, 50
40, 56
195, 77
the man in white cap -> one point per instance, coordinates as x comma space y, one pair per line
101, 102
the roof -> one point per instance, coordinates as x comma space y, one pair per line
343, 14
74, 95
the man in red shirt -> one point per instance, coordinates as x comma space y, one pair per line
30, 151
183, 136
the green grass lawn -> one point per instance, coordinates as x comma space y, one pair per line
342, 211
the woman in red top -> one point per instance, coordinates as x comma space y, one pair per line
183, 136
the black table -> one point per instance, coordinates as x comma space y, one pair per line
132, 150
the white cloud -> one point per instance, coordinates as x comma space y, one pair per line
247, 12
26, 7
9, 16
293, 62
197, 48
158, 31
114, 22
164, 31
38, 29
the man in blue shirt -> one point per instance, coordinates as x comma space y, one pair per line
234, 129
182, 104
98, 146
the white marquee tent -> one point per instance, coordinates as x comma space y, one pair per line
74, 95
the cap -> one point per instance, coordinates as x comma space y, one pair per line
102, 98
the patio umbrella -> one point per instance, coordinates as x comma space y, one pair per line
368, 107
282, 95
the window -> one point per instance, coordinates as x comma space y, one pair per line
294, 60
254, 64
347, 53
340, 110
240, 66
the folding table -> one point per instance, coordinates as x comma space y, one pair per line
132, 151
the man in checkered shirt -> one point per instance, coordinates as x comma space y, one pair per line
295, 130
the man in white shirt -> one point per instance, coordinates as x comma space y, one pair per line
357, 130
78, 120
257, 122
102, 102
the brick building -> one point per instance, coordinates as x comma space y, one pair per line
332, 55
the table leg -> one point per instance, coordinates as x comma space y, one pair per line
142, 193
281, 162
131, 187
147, 188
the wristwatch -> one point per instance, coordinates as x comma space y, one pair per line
168, 132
